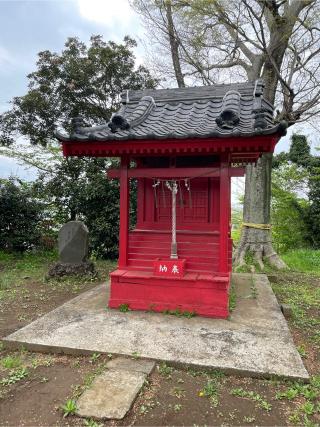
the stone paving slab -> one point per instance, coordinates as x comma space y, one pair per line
111, 394
140, 365
256, 340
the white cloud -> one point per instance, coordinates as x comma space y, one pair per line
111, 13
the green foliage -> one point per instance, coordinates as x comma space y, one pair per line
69, 408
236, 220
20, 216
81, 191
165, 370
252, 395
303, 260
303, 296
211, 390
82, 80
232, 297
299, 152
288, 210
11, 362
92, 423
124, 308
179, 313
15, 376
296, 219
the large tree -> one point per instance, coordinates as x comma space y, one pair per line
212, 41
81, 80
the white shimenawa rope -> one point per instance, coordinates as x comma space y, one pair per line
173, 187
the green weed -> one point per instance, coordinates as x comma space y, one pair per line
308, 391
94, 357
302, 351
232, 297
15, 376
179, 313
165, 370
69, 408
211, 390
92, 423
302, 296
124, 308
144, 409
11, 362
253, 288
135, 355
252, 395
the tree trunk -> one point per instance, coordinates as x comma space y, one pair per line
255, 241
257, 199
174, 45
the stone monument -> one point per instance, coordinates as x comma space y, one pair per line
73, 243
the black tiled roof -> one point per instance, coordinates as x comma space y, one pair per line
236, 110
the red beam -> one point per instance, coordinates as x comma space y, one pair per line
174, 172
159, 147
236, 172
165, 172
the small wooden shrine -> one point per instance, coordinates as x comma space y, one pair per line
182, 146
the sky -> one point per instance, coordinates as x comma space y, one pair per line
30, 26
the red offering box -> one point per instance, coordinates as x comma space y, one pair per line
169, 267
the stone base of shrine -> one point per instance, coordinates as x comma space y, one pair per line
200, 294
254, 341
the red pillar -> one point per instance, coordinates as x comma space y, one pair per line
124, 213
224, 216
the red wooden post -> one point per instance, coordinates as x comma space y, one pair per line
124, 213
224, 216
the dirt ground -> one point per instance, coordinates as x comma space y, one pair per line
35, 386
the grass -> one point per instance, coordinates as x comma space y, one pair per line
11, 362
16, 269
303, 260
232, 297
303, 295
252, 395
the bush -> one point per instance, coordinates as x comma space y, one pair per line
20, 216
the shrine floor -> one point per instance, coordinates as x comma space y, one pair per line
255, 340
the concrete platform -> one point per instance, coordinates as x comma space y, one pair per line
255, 341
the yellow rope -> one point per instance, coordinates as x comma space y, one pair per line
259, 226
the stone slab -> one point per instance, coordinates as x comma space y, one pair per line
138, 365
255, 341
111, 394
73, 241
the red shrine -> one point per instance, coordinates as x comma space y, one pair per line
182, 146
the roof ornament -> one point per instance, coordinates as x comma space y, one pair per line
260, 121
118, 122
76, 124
230, 111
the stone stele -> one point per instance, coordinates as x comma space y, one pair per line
73, 243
